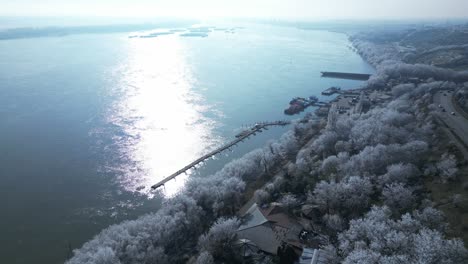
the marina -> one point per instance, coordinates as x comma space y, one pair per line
299, 104
331, 91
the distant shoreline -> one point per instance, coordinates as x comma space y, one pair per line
32, 32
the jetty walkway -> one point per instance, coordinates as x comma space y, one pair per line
257, 128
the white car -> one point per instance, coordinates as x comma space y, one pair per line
453, 113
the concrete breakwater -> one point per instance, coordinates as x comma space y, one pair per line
347, 75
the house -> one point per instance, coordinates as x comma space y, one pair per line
269, 228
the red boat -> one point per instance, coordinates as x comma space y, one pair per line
299, 104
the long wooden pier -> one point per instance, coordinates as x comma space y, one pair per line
239, 138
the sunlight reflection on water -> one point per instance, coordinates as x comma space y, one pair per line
161, 118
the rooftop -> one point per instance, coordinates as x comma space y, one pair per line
269, 227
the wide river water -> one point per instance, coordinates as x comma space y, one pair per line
89, 122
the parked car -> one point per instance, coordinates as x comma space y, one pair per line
453, 113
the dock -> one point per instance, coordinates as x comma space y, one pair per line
257, 128
347, 75
331, 91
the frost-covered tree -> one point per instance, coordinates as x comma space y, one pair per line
325, 143
350, 196
217, 194
399, 173
377, 238
262, 197
286, 147
343, 146
422, 71
381, 126
398, 197
447, 167
105, 255
330, 165
373, 160
289, 201
362, 256
431, 218
431, 247
402, 89
220, 238
154, 237
205, 258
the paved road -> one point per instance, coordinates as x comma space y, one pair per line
457, 123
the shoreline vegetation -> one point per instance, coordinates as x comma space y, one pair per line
376, 177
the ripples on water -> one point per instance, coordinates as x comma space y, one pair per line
158, 122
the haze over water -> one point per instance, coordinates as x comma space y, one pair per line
89, 122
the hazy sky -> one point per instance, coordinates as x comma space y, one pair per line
311, 9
